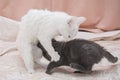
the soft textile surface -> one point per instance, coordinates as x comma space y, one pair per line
12, 66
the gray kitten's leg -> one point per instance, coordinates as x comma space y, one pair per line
44, 52
53, 65
80, 68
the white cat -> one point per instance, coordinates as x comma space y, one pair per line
43, 25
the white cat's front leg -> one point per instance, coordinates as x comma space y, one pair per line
47, 44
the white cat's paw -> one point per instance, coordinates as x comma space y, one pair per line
55, 57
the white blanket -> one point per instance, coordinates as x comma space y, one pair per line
12, 66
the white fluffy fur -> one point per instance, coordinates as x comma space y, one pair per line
43, 25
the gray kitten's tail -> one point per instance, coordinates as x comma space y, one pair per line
110, 57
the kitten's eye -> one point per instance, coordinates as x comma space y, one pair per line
69, 36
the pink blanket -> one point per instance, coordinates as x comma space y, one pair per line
12, 66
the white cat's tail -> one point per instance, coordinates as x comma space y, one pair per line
8, 50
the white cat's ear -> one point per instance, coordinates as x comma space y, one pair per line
81, 20
71, 22
76, 21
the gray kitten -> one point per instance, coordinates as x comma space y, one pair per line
79, 54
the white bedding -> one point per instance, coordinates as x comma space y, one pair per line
12, 67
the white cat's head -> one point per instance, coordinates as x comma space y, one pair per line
69, 29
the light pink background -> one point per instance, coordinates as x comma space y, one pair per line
101, 14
